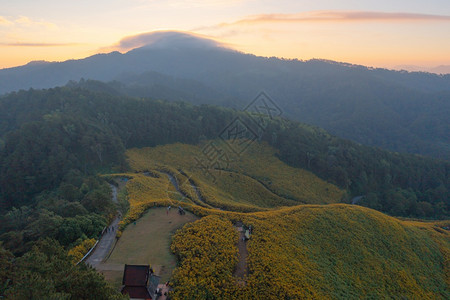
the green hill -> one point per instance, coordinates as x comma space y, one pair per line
315, 252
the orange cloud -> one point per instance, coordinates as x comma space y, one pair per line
4, 21
336, 16
196, 3
39, 44
23, 21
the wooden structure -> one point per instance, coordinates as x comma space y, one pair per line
139, 282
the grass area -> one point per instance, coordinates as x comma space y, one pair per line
147, 242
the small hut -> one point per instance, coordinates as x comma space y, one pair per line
139, 282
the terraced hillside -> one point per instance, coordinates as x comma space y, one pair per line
255, 179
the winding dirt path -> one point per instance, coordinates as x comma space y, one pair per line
241, 270
174, 182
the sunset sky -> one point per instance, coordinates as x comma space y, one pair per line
378, 33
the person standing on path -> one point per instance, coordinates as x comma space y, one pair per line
168, 209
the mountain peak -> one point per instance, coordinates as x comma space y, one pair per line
169, 40
37, 63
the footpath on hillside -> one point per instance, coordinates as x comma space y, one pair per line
177, 185
104, 245
107, 240
241, 268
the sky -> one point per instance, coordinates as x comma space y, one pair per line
379, 33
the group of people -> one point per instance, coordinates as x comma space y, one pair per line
160, 291
110, 229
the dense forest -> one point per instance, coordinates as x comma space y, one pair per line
55, 141
46, 272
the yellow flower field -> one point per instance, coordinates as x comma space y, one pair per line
317, 252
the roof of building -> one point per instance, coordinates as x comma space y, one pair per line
136, 292
135, 275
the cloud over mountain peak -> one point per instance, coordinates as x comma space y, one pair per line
167, 39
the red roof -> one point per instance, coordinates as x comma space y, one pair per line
136, 276
136, 292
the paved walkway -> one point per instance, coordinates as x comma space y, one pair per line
104, 245
114, 193
107, 240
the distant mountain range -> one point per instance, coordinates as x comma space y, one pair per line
397, 110
442, 69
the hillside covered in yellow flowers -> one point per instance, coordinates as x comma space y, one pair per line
304, 244
314, 252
